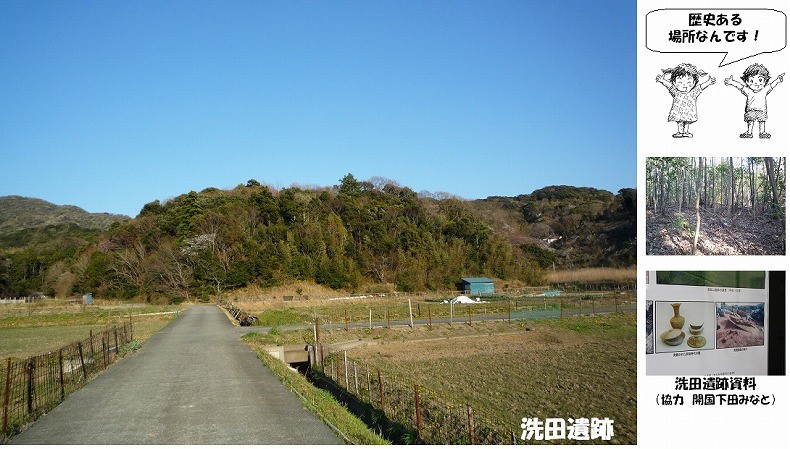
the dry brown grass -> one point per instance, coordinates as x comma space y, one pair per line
593, 275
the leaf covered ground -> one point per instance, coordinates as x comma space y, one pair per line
743, 233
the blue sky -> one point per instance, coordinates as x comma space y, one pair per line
110, 105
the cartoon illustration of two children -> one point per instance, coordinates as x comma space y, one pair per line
683, 83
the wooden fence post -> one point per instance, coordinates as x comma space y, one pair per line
104, 349
345, 366
370, 395
430, 323
411, 318
346, 320
7, 394
387, 311
117, 349
471, 416
417, 410
356, 380
381, 390
82, 362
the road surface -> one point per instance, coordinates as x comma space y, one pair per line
194, 382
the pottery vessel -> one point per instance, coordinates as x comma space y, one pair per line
673, 337
678, 320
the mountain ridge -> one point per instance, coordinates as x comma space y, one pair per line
20, 212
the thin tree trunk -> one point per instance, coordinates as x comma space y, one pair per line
769, 167
732, 188
699, 218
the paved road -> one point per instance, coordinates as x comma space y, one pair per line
194, 382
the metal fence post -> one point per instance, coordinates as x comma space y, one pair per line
117, 349
31, 391
62, 383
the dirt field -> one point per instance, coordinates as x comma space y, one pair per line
581, 367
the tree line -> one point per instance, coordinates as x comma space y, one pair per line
349, 236
756, 184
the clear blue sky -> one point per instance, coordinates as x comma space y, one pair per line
110, 105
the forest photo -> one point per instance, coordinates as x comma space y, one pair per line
715, 205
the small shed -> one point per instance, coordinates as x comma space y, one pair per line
478, 286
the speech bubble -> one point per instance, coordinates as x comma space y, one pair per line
739, 33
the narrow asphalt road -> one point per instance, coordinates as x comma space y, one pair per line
194, 382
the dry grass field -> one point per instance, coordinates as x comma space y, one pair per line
37, 328
592, 275
579, 367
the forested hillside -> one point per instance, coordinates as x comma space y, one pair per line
351, 236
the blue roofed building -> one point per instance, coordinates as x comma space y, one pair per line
478, 286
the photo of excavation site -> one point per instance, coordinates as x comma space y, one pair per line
740, 325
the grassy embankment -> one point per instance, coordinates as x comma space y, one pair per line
318, 401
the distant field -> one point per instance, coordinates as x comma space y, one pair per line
32, 329
377, 309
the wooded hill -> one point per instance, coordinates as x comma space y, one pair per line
349, 236
741, 205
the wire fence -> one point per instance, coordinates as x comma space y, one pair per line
33, 386
430, 313
430, 417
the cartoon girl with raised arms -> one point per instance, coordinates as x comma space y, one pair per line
756, 77
684, 86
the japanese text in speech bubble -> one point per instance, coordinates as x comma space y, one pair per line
739, 33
